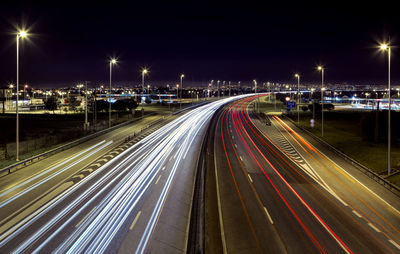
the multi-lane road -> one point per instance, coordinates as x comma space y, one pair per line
269, 189
136, 197
277, 191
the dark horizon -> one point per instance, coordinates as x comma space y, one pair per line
71, 42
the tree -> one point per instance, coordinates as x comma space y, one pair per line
73, 103
51, 104
125, 105
132, 104
101, 105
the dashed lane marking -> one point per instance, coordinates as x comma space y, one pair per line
158, 179
356, 213
394, 243
79, 223
269, 217
373, 227
251, 180
135, 220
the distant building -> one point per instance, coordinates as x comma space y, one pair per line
5, 99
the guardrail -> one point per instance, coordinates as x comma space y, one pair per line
35, 158
368, 172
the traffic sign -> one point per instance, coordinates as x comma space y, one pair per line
290, 104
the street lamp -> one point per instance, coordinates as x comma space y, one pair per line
321, 69
298, 93
218, 87
385, 47
112, 62
182, 76
255, 91
312, 100
21, 34
25, 89
144, 72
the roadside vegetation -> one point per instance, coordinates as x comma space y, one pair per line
360, 135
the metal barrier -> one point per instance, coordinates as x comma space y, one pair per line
30, 160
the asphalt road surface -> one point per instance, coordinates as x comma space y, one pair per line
135, 197
279, 191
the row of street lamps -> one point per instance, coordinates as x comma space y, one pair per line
384, 47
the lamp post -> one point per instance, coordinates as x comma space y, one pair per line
385, 47
21, 34
144, 72
182, 76
255, 91
25, 90
86, 108
112, 62
321, 69
218, 88
298, 93
177, 91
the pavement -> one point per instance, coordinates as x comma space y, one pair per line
280, 191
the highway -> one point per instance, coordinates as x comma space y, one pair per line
135, 197
279, 191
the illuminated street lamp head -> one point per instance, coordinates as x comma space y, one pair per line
182, 75
296, 75
22, 34
384, 46
320, 68
113, 61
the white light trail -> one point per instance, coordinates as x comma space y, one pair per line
126, 183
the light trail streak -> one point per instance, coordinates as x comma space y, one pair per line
126, 183
246, 116
312, 212
33, 178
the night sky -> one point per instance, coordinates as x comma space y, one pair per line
205, 40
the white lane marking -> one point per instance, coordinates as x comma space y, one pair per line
394, 243
221, 222
163, 168
235, 145
158, 179
80, 222
233, 137
170, 158
356, 213
135, 220
241, 158
373, 227
269, 216
251, 180
350, 175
